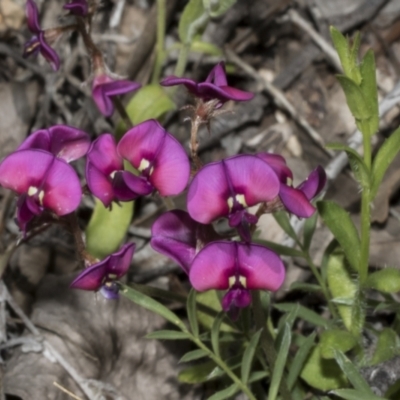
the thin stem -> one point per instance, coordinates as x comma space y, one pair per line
194, 143
161, 17
225, 368
122, 112
182, 60
267, 342
321, 282
365, 209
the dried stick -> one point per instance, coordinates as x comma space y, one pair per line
280, 100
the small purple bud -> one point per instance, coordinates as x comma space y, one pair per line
104, 88
77, 7
214, 87
103, 275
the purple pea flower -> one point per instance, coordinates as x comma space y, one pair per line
214, 87
43, 182
77, 7
176, 235
103, 275
65, 142
160, 159
39, 43
104, 88
294, 200
238, 267
228, 188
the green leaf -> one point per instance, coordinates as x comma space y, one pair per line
336, 339
383, 159
226, 393
341, 285
197, 373
356, 100
193, 11
299, 360
210, 299
343, 228
351, 394
248, 356
309, 229
191, 312
387, 347
257, 376
352, 373
283, 220
152, 305
107, 228
305, 287
357, 164
386, 280
215, 332
150, 101
168, 335
207, 48
347, 54
323, 374
280, 249
304, 313
217, 8
370, 90
280, 363
193, 355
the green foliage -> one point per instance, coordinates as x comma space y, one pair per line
321, 373
280, 249
191, 312
386, 280
342, 286
192, 13
351, 394
299, 360
304, 313
206, 48
357, 164
280, 363
197, 373
358, 83
225, 393
352, 373
193, 355
283, 220
107, 228
168, 335
343, 228
387, 347
216, 8
383, 159
334, 340
248, 356
309, 229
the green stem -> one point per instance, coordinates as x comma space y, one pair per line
267, 342
321, 282
225, 368
365, 209
182, 59
161, 17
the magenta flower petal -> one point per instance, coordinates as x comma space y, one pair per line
179, 237
242, 180
104, 156
22, 169
157, 155
32, 16
99, 184
217, 75
104, 88
296, 202
128, 186
63, 141
315, 182
222, 93
223, 265
77, 7
104, 273
278, 164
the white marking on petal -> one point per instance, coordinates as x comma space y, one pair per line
241, 200
113, 174
143, 164
32, 190
243, 281
232, 280
230, 203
